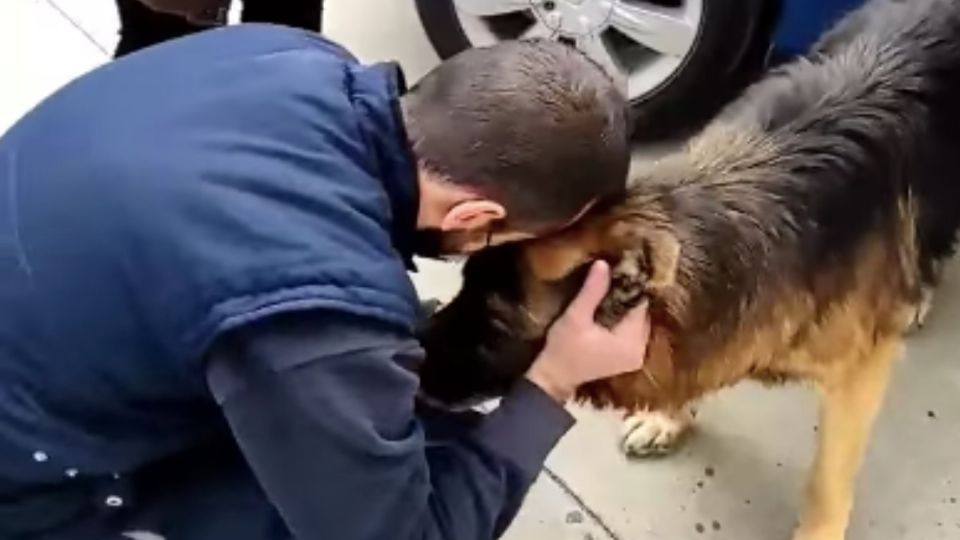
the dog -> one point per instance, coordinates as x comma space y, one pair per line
796, 238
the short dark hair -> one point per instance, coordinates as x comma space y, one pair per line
535, 125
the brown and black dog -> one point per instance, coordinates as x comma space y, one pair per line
796, 238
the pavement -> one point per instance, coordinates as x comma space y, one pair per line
739, 478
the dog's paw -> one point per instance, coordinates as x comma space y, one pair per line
654, 433
627, 289
921, 311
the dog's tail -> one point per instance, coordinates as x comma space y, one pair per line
929, 32
926, 35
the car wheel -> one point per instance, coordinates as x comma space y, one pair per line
677, 60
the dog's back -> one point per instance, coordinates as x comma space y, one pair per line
878, 96
816, 206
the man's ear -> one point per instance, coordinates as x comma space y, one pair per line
472, 215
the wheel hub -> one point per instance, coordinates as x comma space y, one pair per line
573, 18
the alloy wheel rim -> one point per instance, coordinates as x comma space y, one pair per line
641, 43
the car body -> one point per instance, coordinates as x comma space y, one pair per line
802, 21
677, 60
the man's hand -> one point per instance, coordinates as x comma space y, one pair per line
578, 350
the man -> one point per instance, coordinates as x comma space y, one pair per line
147, 22
206, 329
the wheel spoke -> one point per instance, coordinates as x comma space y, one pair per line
662, 29
594, 46
538, 30
487, 8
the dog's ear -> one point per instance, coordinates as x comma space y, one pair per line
650, 254
646, 265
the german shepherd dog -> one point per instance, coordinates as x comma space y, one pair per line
796, 238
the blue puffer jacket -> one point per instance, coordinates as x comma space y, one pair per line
147, 208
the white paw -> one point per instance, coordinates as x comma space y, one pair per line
922, 312
654, 433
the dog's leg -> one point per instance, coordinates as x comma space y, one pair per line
655, 433
850, 404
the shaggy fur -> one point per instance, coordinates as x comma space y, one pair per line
796, 238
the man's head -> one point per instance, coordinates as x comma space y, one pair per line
514, 141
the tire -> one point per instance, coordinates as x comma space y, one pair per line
734, 34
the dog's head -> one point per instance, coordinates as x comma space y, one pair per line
487, 338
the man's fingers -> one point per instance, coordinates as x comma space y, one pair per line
633, 333
591, 294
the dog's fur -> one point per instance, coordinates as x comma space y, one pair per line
796, 238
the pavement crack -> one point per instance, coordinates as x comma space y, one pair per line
590, 512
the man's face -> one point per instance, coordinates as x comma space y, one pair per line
438, 244
441, 244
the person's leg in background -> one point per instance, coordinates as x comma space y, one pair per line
305, 14
142, 27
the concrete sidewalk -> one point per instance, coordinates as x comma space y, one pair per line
739, 479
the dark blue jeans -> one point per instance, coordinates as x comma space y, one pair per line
142, 27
